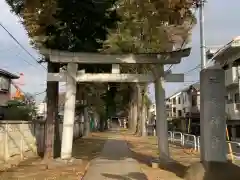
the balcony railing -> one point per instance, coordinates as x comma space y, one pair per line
231, 76
233, 111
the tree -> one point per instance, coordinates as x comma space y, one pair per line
89, 26
19, 110
66, 24
149, 27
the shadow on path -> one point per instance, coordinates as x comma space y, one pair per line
146, 159
115, 162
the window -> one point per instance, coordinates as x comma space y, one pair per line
174, 110
174, 101
184, 110
229, 98
179, 100
194, 100
179, 113
236, 97
4, 84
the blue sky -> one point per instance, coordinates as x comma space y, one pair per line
221, 26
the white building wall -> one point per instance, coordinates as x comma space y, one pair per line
231, 76
232, 104
185, 105
42, 109
179, 105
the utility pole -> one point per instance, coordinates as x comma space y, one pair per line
202, 34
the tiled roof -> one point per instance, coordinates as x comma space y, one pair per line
8, 74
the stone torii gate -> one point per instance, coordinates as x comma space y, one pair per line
72, 76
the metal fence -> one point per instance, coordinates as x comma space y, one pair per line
192, 141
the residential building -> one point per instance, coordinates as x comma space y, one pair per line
152, 109
42, 109
184, 109
5, 86
228, 57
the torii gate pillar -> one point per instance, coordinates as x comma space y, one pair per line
161, 118
69, 111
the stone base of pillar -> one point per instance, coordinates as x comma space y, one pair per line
156, 163
154, 132
212, 170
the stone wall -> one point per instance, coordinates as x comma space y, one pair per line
19, 137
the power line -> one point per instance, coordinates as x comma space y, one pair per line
39, 93
22, 47
193, 69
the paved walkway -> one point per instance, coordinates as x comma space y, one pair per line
114, 163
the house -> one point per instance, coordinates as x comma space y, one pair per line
228, 57
184, 109
5, 86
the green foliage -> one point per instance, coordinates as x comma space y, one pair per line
90, 25
151, 26
15, 103
18, 110
66, 24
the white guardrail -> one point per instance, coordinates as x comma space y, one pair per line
192, 141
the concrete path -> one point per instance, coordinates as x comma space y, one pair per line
115, 163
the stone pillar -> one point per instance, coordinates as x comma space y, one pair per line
233, 132
135, 112
69, 112
130, 116
144, 120
161, 118
124, 123
96, 121
212, 115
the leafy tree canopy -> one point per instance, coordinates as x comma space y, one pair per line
89, 25
151, 26
66, 24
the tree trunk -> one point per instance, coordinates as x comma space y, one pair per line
86, 122
139, 109
52, 112
143, 112
130, 111
134, 114
102, 124
86, 117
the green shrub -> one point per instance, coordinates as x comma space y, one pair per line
17, 110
